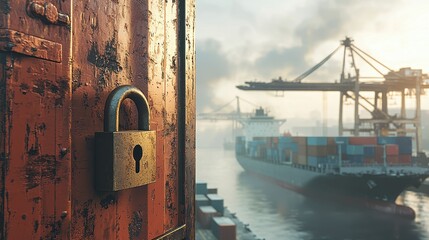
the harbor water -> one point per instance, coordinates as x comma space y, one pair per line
275, 213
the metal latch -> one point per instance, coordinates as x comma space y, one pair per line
48, 12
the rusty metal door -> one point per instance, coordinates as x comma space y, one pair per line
59, 62
35, 98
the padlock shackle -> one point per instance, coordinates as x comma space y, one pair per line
113, 104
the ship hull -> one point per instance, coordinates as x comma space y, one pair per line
313, 183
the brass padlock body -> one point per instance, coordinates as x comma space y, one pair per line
117, 165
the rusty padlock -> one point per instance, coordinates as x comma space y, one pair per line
125, 159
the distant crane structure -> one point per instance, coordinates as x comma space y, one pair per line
218, 114
235, 116
404, 82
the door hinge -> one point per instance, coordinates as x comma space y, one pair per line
48, 12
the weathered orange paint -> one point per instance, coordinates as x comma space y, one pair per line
35, 127
51, 105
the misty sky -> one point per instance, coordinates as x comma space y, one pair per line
242, 40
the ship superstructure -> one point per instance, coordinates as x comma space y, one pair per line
260, 125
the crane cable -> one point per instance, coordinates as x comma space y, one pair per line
354, 47
315, 67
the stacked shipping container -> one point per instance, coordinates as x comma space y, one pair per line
327, 151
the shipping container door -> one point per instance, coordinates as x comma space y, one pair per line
59, 62
137, 43
35, 99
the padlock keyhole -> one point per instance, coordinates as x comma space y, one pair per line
137, 155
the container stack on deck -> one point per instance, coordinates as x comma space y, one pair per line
326, 151
214, 221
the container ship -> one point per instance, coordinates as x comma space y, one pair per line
369, 170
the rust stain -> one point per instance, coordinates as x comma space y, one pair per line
38, 168
85, 100
59, 89
169, 202
76, 79
135, 226
88, 215
169, 129
5, 6
55, 230
36, 226
39, 87
110, 199
24, 88
107, 62
63, 88
34, 149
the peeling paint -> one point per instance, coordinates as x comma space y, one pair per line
108, 200
5, 6
87, 213
24, 88
55, 229
39, 87
135, 226
107, 62
76, 79
59, 89
38, 168
36, 226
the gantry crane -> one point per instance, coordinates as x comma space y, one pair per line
235, 116
218, 114
406, 81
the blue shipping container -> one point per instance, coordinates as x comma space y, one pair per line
354, 149
216, 201
315, 161
344, 140
386, 140
369, 151
286, 140
405, 145
288, 146
201, 188
317, 141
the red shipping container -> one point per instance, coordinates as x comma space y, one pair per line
392, 149
379, 151
406, 159
363, 140
331, 141
205, 215
224, 228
